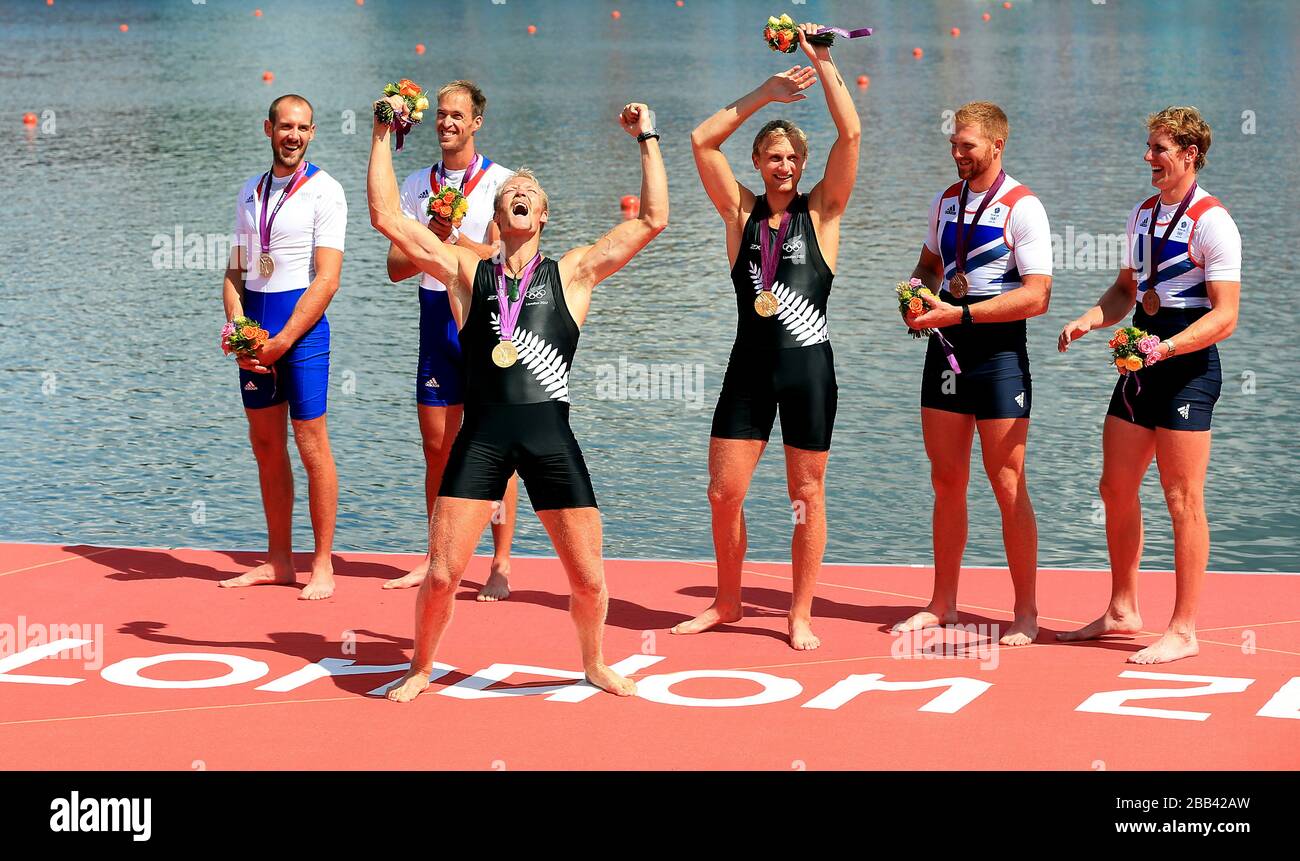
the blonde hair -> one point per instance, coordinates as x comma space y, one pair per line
785, 129
989, 117
1186, 127
522, 173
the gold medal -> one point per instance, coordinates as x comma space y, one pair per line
1151, 301
958, 285
504, 354
265, 265
766, 304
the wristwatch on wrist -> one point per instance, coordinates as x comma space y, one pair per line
965, 315
1169, 344
454, 236
645, 136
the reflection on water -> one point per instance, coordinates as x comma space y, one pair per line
121, 423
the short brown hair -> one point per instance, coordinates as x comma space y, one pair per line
785, 129
293, 97
991, 119
475, 94
1185, 126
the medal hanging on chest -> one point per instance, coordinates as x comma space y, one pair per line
959, 284
510, 304
765, 303
266, 263
1151, 296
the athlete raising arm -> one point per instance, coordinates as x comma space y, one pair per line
519, 322
782, 247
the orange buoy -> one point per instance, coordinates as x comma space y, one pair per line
986, 16
532, 28
630, 203
616, 14
123, 27
419, 49
680, 3
257, 13
268, 77
1007, 5
361, 2
917, 53
864, 81
955, 31
29, 118
49, 2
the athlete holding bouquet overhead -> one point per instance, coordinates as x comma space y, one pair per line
782, 246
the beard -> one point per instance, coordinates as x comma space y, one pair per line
289, 160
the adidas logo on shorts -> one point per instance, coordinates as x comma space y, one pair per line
1185, 410
1020, 400
431, 383
250, 386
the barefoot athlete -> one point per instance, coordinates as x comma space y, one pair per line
1184, 274
994, 263
518, 323
782, 247
284, 270
439, 377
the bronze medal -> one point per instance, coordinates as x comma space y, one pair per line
958, 285
504, 354
1151, 301
265, 265
766, 304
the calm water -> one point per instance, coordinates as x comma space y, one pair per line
119, 418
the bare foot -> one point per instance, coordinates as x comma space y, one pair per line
412, 578
410, 687
270, 573
802, 637
1171, 646
607, 680
710, 618
321, 584
1113, 622
497, 587
1023, 631
925, 619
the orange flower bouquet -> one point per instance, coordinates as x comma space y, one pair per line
449, 205
417, 102
243, 336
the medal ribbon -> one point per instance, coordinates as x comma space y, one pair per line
1157, 245
468, 180
960, 240
264, 222
948, 352
847, 34
770, 257
510, 310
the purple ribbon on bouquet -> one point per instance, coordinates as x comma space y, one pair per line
847, 34
948, 352
401, 127
1123, 392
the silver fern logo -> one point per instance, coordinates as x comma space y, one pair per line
800, 317
542, 360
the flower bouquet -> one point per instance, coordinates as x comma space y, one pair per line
243, 336
1133, 349
416, 104
913, 300
782, 35
449, 204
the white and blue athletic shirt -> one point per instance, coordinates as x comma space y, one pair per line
478, 220
1013, 238
1204, 246
315, 216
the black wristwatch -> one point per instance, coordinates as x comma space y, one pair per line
645, 136
965, 315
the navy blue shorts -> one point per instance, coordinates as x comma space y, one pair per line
302, 375
1177, 393
439, 378
994, 382
497, 440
